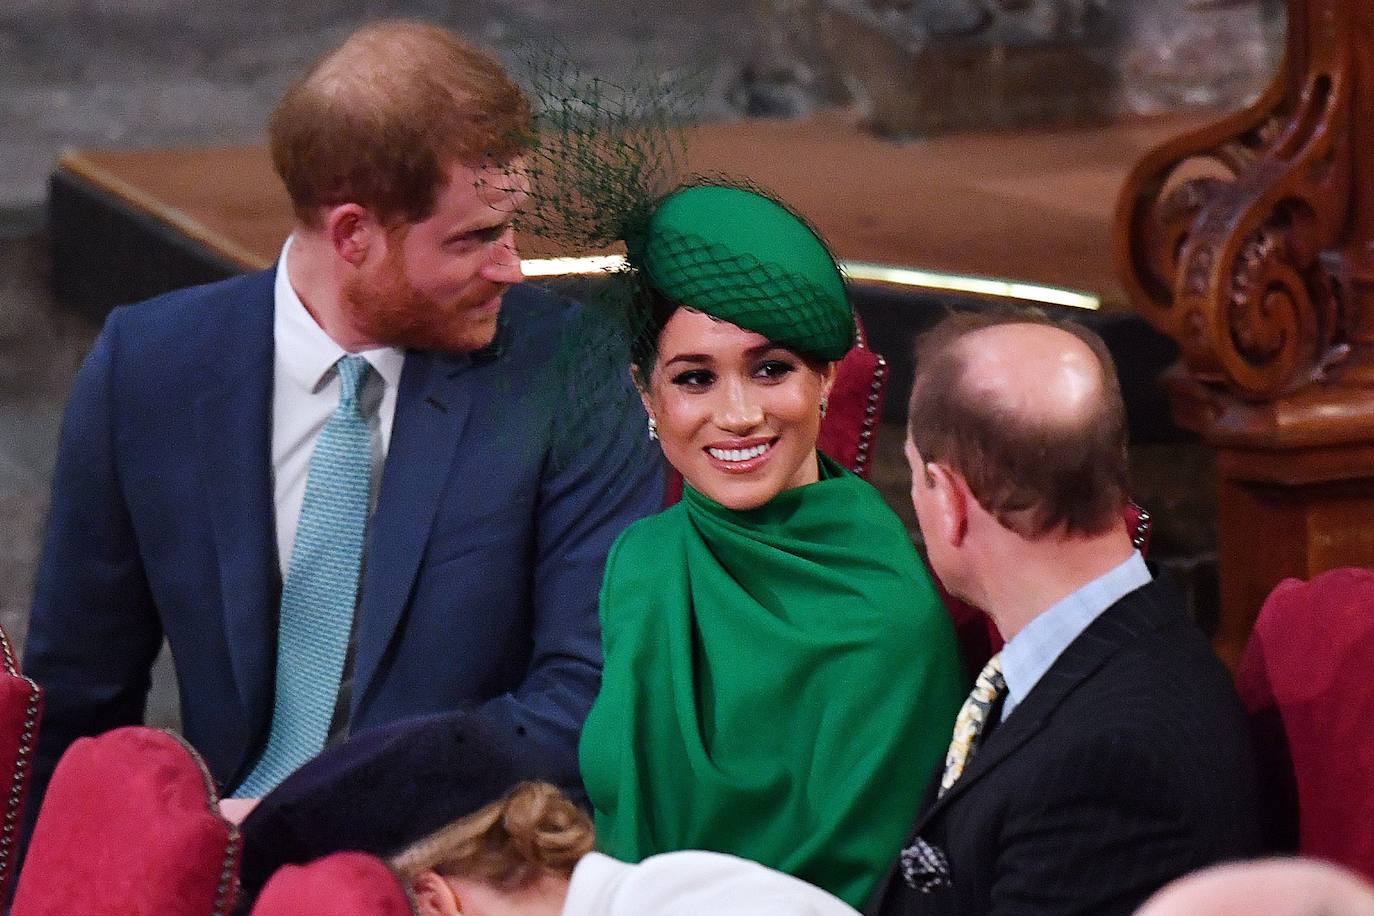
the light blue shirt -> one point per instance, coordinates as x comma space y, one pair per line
1030, 653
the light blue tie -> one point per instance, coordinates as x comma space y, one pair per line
321, 588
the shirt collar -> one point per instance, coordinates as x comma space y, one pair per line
1030, 653
595, 881
305, 354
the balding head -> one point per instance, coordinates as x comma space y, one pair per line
381, 119
1271, 887
1029, 413
1032, 372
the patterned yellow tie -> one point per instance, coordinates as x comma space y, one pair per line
973, 715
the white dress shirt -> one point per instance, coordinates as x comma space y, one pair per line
692, 884
305, 392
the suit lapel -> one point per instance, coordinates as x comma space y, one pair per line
234, 431
432, 408
1114, 628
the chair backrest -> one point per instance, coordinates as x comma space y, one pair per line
849, 430
1307, 681
130, 825
21, 704
342, 884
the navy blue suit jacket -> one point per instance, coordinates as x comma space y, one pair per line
484, 557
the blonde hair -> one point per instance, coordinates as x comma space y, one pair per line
508, 844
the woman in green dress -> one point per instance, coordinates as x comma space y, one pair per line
780, 677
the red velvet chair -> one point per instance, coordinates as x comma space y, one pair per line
130, 826
343, 884
849, 430
21, 703
1307, 681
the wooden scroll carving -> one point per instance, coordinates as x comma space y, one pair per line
1243, 268
1251, 244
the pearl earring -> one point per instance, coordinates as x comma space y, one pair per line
653, 429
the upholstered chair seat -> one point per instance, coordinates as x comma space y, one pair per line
130, 826
342, 884
1307, 681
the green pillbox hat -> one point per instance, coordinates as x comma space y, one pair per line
739, 256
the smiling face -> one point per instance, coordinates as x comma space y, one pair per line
438, 283
737, 415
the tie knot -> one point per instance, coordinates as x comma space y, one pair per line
990, 679
352, 373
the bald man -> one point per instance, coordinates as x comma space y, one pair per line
1103, 751
1270, 887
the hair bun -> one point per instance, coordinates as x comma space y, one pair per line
545, 828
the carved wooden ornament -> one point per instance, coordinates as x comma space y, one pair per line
1248, 241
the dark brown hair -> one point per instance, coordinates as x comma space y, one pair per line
1034, 474
379, 120
509, 843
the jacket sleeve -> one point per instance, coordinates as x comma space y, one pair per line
93, 632
605, 475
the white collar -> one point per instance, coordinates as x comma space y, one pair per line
305, 353
1033, 651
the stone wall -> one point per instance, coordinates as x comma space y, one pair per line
129, 73
137, 73
917, 67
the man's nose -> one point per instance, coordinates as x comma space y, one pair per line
739, 412
503, 261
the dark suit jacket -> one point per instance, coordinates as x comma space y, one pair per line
1127, 765
483, 563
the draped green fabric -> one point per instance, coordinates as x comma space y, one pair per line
779, 684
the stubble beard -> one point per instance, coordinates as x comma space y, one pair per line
388, 309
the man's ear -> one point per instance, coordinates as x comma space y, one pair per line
434, 896
950, 497
352, 231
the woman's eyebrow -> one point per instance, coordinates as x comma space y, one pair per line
688, 358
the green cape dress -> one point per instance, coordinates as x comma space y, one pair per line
779, 684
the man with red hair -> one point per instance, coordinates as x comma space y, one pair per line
337, 487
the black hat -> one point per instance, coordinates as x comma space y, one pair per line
384, 789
